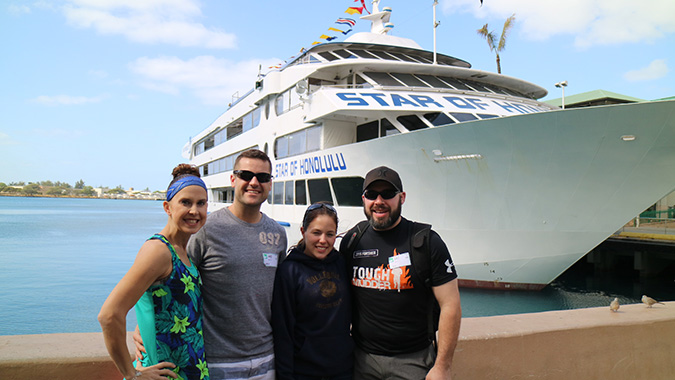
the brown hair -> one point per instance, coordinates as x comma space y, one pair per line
255, 154
183, 170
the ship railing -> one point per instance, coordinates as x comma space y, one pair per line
649, 225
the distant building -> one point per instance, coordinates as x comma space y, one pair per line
593, 98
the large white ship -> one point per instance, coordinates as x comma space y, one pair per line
518, 190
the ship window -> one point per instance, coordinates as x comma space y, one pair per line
328, 56
455, 83
404, 57
279, 104
363, 53
319, 190
422, 59
303, 141
383, 79
234, 129
367, 131
344, 54
412, 122
297, 142
347, 190
486, 116
433, 81
278, 191
387, 128
300, 192
460, 116
409, 80
288, 199
199, 148
438, 119
477, 86
375, 129
251, 120
384, 55
313, 138
208, 143
361, 82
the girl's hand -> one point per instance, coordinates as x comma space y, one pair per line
157, 372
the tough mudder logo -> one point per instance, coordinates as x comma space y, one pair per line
382, 277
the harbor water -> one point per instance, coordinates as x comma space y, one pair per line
62, 257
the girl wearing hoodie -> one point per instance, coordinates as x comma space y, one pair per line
311, 306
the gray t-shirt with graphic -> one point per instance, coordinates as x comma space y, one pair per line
237, 262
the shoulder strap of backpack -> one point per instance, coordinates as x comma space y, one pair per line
420, 253
354, 235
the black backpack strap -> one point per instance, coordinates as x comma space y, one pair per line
354, 235
420, 256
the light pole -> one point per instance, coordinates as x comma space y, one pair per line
562, 85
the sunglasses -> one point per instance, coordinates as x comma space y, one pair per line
385, 194
316, 206
248, 175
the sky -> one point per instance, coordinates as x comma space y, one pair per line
109, 91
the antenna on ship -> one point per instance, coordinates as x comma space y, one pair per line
379, 19
436, 23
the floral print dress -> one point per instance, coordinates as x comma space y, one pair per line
173, 309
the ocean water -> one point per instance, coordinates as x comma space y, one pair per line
62, 257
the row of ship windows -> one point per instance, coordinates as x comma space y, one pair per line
309, 139
303, 192
418, 57
433, 81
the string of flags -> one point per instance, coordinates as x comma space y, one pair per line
344, 25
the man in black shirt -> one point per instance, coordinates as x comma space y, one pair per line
391, 321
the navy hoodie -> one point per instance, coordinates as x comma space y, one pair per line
311, 316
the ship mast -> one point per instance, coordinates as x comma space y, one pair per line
436, 23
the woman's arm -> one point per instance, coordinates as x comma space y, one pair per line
153, 262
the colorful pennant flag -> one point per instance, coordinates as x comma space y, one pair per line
354, 10
346, 21
363, 2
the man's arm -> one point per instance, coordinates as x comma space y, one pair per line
447, 296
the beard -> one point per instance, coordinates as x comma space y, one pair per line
388, 222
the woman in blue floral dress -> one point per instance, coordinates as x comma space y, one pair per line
166, 289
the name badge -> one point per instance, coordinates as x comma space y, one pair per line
270, 259
400, 260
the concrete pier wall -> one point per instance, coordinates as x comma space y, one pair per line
634, 343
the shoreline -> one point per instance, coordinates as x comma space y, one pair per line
77, 197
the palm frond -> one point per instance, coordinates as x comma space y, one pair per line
508, 24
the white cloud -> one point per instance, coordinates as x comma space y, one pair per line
657, 69
66, 100
590, 22
213, 80
148, 21
17, 10
5, 139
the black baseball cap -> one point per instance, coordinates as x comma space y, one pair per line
383, 173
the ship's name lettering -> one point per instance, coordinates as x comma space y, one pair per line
310, 165
367, 99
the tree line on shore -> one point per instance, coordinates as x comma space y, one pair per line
57, 189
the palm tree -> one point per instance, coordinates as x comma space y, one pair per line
492, 39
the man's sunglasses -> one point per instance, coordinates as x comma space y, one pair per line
385, 194
248, 175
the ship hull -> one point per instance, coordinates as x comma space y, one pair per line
519, 199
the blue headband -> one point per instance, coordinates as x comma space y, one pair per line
182, 183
